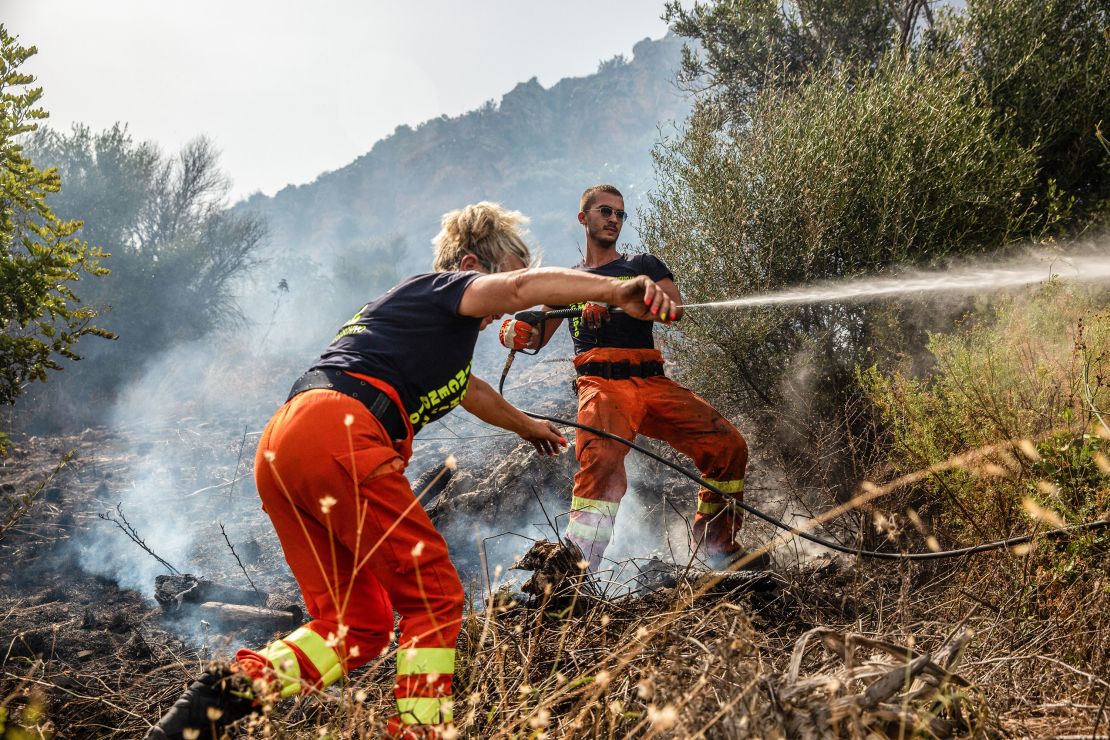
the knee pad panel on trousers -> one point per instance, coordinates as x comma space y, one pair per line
370, 463
600, 455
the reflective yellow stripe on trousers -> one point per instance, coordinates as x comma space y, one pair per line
709, 507
314, 647
592, 530
425, 660
418, 710
425, 710
594, 506
728, 486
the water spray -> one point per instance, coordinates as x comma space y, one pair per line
1090, 268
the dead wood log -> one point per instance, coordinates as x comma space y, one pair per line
237, 616
560, 578
882, 688
556, 567
171, 591
656, 575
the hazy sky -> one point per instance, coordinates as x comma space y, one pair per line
289, 89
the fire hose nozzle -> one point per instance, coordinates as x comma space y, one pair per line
535, 318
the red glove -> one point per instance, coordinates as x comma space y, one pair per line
594, 315
516, 334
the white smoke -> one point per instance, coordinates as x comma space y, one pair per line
187, 428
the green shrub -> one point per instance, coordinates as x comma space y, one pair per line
835, 140
41, 257
842, 176
747, 46
1045, 65
1024, 382
177, 256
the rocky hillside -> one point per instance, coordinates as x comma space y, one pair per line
535, 150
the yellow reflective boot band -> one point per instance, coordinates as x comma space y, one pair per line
728, 486
315, 648
440, 661
593, 506
591, 532
286, 667
418, 710
708, 507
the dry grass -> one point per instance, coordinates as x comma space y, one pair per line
809, 660
1003, 644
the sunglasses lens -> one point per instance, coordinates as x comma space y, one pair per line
607, 211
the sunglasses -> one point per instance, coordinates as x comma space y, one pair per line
607, 211
489, 267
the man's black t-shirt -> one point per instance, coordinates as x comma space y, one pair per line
621, 330
413, 338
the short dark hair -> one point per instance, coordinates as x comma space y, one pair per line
590, 192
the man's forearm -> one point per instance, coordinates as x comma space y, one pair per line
548, 328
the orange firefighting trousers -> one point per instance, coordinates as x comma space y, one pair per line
659, 408
360, 546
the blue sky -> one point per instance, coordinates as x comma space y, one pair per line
287, 89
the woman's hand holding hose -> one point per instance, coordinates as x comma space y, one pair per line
545, 437
642, 298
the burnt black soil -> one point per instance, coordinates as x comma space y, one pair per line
103, 659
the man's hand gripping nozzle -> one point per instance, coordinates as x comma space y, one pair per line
517, 335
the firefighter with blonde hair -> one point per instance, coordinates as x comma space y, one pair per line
330, 474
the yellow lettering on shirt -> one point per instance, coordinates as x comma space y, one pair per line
440, 400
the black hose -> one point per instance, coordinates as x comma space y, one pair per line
1011, 542
997, 545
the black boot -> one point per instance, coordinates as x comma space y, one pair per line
720, 561
218, 698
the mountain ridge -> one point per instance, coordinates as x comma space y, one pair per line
534, 151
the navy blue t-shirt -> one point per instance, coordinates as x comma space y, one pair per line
621, 330
413, 338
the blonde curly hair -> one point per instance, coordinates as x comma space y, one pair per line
487, 230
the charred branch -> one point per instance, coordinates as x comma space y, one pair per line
238, 560
133, 535
237, 616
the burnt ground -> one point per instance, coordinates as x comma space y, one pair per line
70, 630
80, 630
83, 640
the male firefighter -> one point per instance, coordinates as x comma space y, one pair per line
622, 389
329, 471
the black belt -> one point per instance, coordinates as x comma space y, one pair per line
378, 403
622, 370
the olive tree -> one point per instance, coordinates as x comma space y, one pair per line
41, 256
